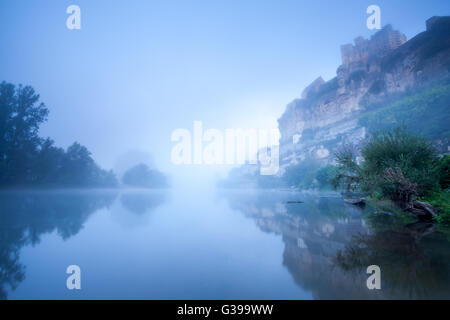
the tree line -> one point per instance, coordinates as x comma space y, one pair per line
26, 159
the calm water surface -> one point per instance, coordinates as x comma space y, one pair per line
190, 244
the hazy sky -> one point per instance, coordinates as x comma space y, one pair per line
137, 70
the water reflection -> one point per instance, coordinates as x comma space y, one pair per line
414, 258
26, 216
326, 246
142, 202
329, 244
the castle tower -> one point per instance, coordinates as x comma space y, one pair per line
379, 44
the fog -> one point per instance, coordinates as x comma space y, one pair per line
138, 70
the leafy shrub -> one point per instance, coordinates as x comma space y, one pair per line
441, 201
443, 171
324, 176
301, 175
347, 172
409, 154
398, 165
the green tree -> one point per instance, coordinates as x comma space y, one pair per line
347, 174
324, 176
396, 164
21, 114
395, 158
302, 175
443, 171
29, 160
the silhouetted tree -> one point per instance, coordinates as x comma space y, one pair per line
20, 117
29, 160
143, 177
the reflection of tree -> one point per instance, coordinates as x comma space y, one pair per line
320, 229
312, 270
140, 203
414, 261
312, 233
11, 271
26, 216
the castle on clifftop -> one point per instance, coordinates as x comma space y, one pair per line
372, 70
378, 45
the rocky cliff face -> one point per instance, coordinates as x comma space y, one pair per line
372, 70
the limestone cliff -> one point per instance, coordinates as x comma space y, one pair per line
372, 70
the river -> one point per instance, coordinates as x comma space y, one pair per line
213, 244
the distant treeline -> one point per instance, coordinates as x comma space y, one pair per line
141, 176
26, 159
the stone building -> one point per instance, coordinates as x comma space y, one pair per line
378, 45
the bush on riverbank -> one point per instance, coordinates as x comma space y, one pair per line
397, 165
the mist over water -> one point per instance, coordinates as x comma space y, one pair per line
135, 72
77, 177
207, 244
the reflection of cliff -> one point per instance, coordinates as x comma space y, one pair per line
415, 261
26, 216
372, 71
313, 232
318, 231
312, 269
